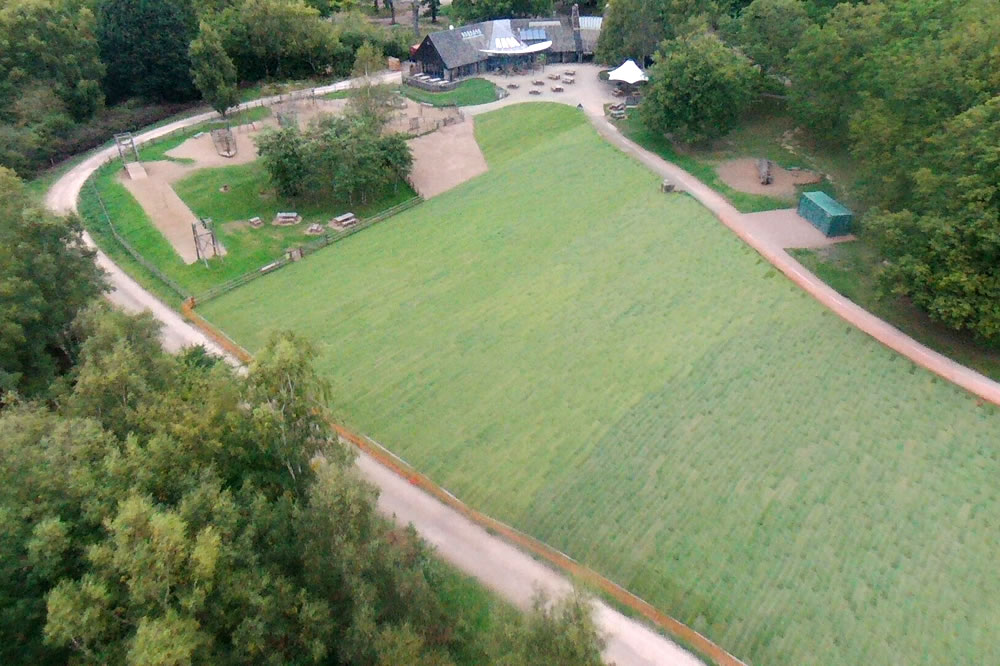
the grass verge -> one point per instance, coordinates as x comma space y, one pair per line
852, 268
468, 93
766, 131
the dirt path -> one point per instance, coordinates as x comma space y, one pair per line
445, 158
167, 211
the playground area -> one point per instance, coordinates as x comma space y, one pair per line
444, 150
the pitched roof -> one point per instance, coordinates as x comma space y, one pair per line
463, 46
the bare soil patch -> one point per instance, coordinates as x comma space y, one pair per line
445, 158
168, 213
742, 175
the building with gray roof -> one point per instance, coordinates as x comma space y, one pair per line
490, 45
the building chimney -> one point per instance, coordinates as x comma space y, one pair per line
577, 37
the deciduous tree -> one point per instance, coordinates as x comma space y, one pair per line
698, 88
144, 45
47, 276
212, 70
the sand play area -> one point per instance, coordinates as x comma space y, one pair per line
444, 156
445, 159
742, 175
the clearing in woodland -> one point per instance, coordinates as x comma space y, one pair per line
609, 369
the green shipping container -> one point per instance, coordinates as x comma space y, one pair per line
825, 213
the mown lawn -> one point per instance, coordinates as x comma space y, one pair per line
468, 93
611, 370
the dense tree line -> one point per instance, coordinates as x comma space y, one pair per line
73, 72
902, 83
159, 509
47, 276
471, 11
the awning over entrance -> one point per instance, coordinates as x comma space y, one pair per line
518, 48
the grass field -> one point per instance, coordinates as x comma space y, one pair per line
611, 370
468, 93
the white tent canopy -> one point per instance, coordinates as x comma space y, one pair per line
629, 73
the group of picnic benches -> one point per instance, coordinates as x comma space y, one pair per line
567, 77
284, 219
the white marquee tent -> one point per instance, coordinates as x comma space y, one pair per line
629, 73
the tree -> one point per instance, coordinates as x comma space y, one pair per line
944, 249
283, 154
348, 157
631, 29
277, 38
212, 70
553, 633
826, 64
768, 30
144, 45
471, 11
432, 6
47, 276
52, 44
698, 88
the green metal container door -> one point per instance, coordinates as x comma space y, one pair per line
825, 213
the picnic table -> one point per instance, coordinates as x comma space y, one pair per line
538, 82
554, 77
513, 86
344, 221
534, 91
570, 72
568, 79
287, 218
557, 89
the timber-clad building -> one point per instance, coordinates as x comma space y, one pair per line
491, 45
